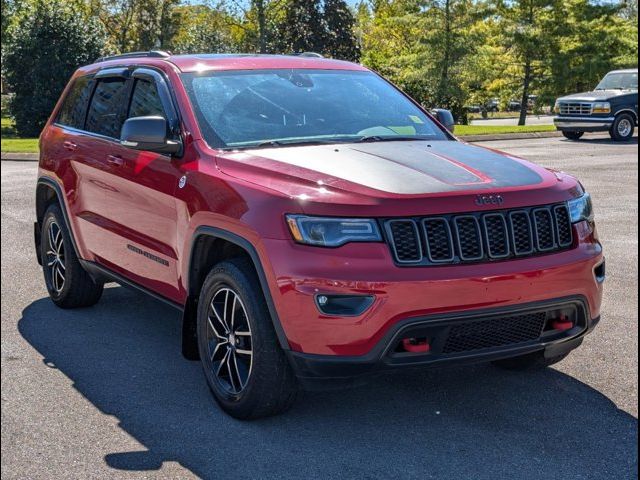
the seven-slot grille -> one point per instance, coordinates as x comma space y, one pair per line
575, 108
478, 237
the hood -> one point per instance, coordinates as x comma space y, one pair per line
403, 168
596, 95
394, 178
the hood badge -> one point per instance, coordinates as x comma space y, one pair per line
482, 200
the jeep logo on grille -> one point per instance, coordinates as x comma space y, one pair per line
482, 200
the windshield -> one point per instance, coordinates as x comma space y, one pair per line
619, 81
243, 109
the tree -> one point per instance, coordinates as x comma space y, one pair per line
302, 29
47, 44
137, 24
528, 27
340, 37
157, 23
203, 29
423, 46
257, 23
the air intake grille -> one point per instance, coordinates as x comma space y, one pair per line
575, 108
480, 237
406, 243
496, 332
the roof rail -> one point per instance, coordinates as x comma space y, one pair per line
150, 53
308, 54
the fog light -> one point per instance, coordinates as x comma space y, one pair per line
344, 305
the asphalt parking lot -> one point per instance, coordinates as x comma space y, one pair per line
105, 393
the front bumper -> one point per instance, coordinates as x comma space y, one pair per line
584, 124
326, 371
298, 274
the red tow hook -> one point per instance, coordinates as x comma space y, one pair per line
562, 323
416, 345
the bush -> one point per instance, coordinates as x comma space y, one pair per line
46, 45
6, 100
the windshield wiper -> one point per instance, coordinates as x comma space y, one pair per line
294, 143
391, 138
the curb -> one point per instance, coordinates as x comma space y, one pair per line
34, 157
509, 136
19, 157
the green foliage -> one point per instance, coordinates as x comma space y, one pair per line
444, 53
423, 46
302, 29
202, 30
340, 41
455, 53
327, 28
47, 44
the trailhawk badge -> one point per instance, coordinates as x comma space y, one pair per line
482, 200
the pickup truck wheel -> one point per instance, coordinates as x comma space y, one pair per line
243, 363
68, 284
572, 135
623, 128
532, 361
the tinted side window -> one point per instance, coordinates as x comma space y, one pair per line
74, 105
104, 112
145, 100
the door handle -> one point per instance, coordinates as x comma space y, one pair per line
115, 160
68, 145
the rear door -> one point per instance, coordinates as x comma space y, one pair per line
139, 213
71, 153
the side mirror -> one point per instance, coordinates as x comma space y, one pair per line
148, 133
445, 117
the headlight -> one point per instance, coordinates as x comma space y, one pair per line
556, 107
601, 107
332, 232
581, 209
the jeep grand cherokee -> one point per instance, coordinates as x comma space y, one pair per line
313, 224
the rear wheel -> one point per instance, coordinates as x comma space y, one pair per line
68, 284
532, 361
572, 135
243, 363
623, 128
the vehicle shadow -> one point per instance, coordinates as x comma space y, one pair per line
474, 423
601, 141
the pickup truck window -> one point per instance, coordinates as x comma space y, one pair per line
287, 107
619, 81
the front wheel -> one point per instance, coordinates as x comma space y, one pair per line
243, 363
572, 135
623, 128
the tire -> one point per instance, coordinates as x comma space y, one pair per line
245, 368
572, 135
532, 361
623, 128
68, 284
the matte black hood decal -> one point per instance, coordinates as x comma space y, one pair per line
410, 167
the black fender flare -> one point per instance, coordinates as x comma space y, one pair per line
247, 246
51, 183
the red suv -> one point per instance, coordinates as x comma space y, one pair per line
313, 224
